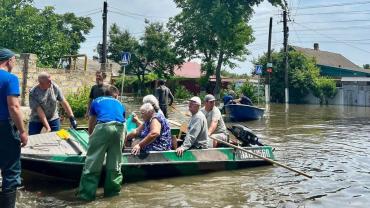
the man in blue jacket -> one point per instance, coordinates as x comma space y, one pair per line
12, 131
106, 129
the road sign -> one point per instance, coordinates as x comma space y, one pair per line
125, 59
258, 69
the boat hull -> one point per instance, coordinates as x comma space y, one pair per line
62, 162
239, 112
151, 165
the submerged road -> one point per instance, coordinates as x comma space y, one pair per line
331, 143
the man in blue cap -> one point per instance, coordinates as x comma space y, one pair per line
12, 131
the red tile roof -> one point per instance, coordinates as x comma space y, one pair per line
188, 70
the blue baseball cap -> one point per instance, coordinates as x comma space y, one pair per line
6, 54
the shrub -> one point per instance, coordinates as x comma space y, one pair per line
182, 93
78, 101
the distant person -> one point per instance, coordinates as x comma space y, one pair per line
44, 99
12, 130
97, 89
154, 133
106, 129
244, 100
215, 123
228, 97
197, 135
164, 97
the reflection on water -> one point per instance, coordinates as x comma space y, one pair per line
329, 142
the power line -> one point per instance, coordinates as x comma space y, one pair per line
331, 38
355, 20
335, 12
362, 27
335, 5
137, 14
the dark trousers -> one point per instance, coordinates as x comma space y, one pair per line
10, 153
164, 110
36, 127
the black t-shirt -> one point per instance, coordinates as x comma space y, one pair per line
245, 100
96, 91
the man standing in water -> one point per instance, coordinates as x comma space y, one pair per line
12, 131
96, 90
164, 94
106, 129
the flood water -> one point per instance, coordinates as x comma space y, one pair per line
331, 143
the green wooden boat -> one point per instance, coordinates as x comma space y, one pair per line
49, 155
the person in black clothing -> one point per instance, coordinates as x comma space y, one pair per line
96, 90
244, 100
164, 97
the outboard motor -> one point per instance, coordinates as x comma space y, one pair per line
245, 135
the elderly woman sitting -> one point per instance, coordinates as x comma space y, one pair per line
155, 132
154, 102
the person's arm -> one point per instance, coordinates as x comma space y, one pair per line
212, 127
191, 136
16, 115
92, 123
67, 108
43, 118
170, 96
155, 131
34, 104
88, 108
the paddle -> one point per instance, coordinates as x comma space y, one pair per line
63, 134
264, 158
185, 114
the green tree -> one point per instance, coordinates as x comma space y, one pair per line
154, 52
303, 76
215, 31
43, 32
366, 66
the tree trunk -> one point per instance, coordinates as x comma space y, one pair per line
218, 75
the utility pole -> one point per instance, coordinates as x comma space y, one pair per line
104, 49
286, 64
269, 60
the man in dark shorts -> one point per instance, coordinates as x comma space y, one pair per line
164, 97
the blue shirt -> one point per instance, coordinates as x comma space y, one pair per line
107, 109
9, 86
227, 99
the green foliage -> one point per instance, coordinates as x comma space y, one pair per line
366, 66
248, 90
153, 53
78, 101
303, 77
27, 29
182, 93
324, 89
215, 32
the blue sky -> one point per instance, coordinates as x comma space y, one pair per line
338, 26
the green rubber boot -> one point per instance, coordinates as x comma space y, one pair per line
112, 184
88, 186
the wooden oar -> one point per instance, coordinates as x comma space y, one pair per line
174, 122
185, 114
264, 158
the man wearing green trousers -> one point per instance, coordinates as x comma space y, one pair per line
106, 129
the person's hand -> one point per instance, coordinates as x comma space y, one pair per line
47, 129
135, 118
180, 151
136, 150
73, 122
24, 138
